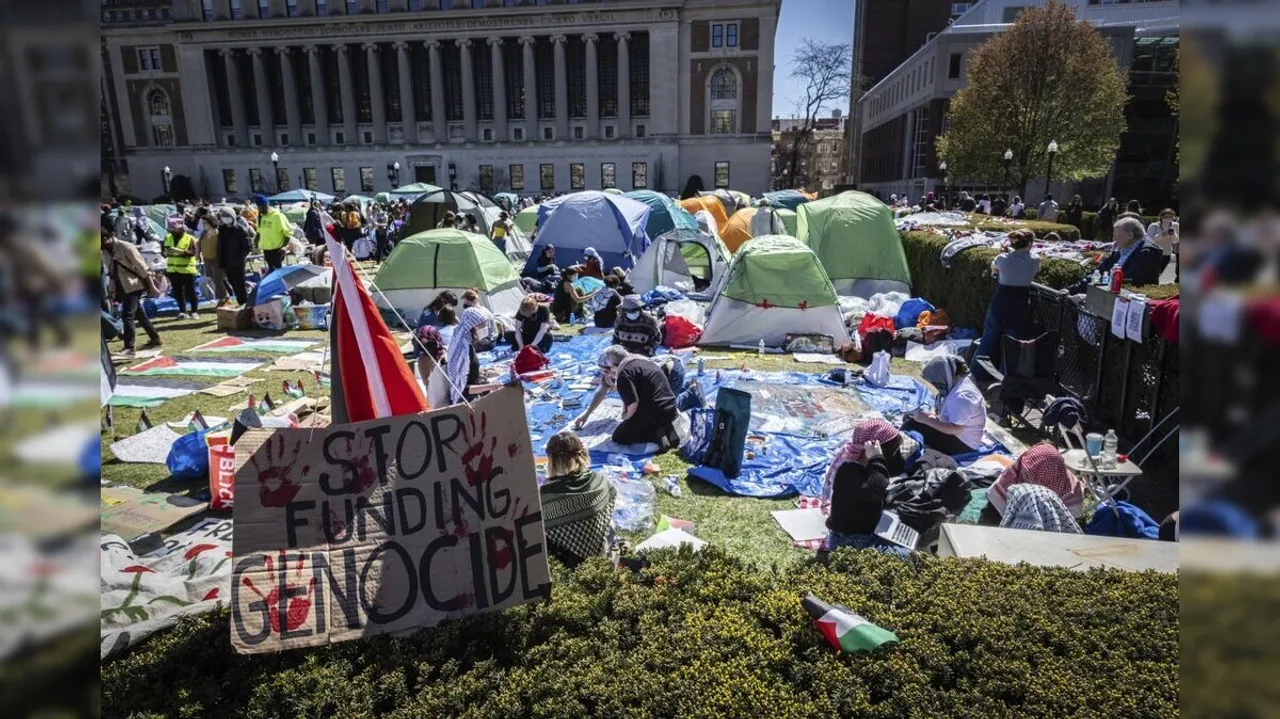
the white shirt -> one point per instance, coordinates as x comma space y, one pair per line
1156, 233
965, 406
1016, 209
437, 387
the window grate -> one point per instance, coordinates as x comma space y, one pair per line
575, 51
482, 72
607, 59
513, 74
544, 66
451, 56
639, 58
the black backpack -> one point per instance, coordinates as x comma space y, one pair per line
731, 421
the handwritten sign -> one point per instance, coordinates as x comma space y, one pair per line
384, 526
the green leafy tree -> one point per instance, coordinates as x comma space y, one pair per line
1049, 77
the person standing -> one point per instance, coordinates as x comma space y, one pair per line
1017, 210
180, 267
1048, 211
313, 226
129, 282
381, 233
234, 245
207, 231
1075, 212
1105, 218
274, 232
1010, 308
500, 230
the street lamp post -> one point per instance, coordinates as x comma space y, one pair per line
1053, 150
166, 175
1008, 160
393, 174
942, 167
275, 164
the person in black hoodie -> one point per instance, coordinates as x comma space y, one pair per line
234, 246
856, 484
312, 226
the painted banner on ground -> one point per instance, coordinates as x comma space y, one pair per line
263, 345
212, 367
384, 526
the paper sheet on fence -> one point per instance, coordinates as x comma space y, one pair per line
1119, 316
1133, 319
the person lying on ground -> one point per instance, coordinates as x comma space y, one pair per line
856, 484
577, 503
1041, 465
957, 425
636, 329
462, 365
648, 404
535, 326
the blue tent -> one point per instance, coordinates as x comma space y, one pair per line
664, 214
280, 281
787, 199
612, 224
301, 196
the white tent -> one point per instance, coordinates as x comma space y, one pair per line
676, 258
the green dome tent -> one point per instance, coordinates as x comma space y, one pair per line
774, 286
854, 236
788, 218
526, 220
423, 265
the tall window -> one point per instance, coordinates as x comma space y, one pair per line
383, 6
607, 59
920, 146
339, 177
291, 8
236, 11
389, 69
149, 59
639, 176
305, 93
575, 51
547, 176
322, 7
486, 178
353, 7
229, 185
517, 176
608, 175
264, 8
255, 180
276, 81
953, 69
282, 179
724, 102
544, 66
722, 174
360, 76
207, 7
451, 56
577, 176
731, 34
160, 117
639, 74
366, 179
482, 74
513, 74
309, 178
332, 86
717, 35
421, 77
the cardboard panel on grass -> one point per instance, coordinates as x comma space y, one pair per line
385, 526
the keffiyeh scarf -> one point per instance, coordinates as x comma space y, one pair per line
870, 430
459, 362
1032, 506
1042, 466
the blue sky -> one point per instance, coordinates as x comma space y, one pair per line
822, 20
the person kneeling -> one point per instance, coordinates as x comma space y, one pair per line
535, 326
577, 503
648, 404
856, 484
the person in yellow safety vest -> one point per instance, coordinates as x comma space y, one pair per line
274, 232
180, 266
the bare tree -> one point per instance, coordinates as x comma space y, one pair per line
501, 182
825, 72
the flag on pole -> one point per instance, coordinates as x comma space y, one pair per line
373, 379
845, 630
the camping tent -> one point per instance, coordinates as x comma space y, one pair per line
711, 204
612, 224
527, 219
664, 214
750, 222
301, 196
788, 218
729, 198
854, 236
423, 265
790, 199
677, 258
775, 286
414, 189
427, 210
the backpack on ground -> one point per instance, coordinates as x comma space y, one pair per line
718, 437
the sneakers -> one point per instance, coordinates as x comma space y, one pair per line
183, 316
153, 343
126, 353
195, 315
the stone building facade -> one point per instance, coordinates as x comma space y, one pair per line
498, 94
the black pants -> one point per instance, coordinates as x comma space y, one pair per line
184, 290
274, 258
544, 346
131, 311
383, 244
234, 272
941, 441
643, 428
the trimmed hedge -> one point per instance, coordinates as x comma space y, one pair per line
1089, 223
707, 635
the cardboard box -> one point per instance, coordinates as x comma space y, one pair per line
317, 295
235, 318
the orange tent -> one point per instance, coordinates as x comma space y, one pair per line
747, 223
709, 203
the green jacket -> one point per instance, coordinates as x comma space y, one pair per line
274, 230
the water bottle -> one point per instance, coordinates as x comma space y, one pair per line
1110, 445
573, 319
673, 485
702, 368
760, 348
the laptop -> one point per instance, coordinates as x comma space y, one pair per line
891, 528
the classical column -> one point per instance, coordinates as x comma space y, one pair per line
238, 122
624, 84
562, 90
348, 90
375, 93
764, 87
408, 116
318, 104
499, 76
265, 122
468, 90
530, 91
439, 124
290, 83
593, 88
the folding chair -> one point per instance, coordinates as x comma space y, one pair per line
1030, 379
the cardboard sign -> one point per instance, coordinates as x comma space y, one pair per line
130, 512
384, 526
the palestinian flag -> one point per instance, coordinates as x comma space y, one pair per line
269, 345
210, 367
845, 630
150, 391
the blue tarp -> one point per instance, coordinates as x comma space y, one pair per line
612, 224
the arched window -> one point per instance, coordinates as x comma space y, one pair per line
723, 105
160, 118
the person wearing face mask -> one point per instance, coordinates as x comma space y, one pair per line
179, 250
234, 245
637, 330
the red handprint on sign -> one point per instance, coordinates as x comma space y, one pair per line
299, 607
363, 477
276, 487
477, 460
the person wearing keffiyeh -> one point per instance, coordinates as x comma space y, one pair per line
1033, 506
1041, 465
577, 503
462, 365
856, 484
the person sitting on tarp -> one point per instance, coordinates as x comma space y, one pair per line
568, 300
1035, 507
441, 312
577, 503
545, 272
593, 265
607, 300
957, 425
648, 404
535, 326
689, 395
624, 285
856, 484
1041, 465
637, 330
462, 365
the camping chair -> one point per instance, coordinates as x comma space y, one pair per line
1030, 380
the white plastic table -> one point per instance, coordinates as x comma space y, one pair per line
1106, 483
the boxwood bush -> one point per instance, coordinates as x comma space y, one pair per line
707, 635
